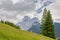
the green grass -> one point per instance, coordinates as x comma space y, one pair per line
10, 33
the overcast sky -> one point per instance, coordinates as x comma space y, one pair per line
15, 10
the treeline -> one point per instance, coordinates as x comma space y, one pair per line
9, 23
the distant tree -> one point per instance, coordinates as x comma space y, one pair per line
12, 24
2, 21
47, 25
9, 23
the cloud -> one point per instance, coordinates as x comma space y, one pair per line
27, 5
27, 22
15, 1
55, 10
9, 10
45, 3
12, 10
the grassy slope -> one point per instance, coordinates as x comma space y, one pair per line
9, 33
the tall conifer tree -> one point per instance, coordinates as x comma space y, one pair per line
47, 25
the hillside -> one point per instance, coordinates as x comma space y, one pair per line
10, 33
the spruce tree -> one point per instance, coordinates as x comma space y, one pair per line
44, 14
43, 19
48, 26
2, 21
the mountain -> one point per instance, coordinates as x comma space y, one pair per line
35, 27
27, 22
57, 29
10, 33
26, 18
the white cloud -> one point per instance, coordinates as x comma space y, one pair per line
15, 1
17, 11
55, 10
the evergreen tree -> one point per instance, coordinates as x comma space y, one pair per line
48, 26
43, 19
10, 23
2, 21
44, 14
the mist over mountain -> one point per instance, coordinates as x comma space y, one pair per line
27, 22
